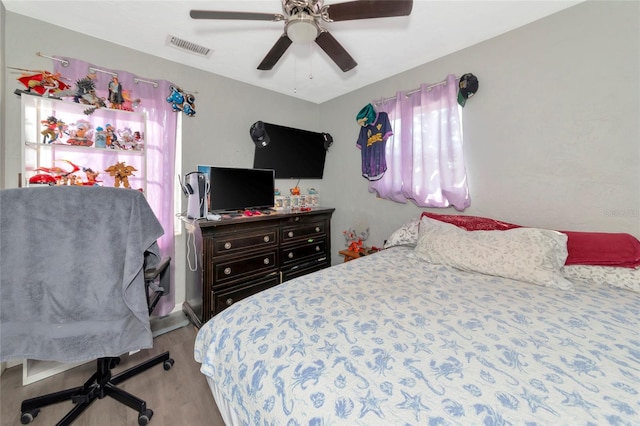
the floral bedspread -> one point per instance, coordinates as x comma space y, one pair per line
391, 340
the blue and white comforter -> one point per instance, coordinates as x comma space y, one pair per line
391, 340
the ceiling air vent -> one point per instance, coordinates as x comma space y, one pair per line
188, 46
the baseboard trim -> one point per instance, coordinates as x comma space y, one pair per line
167, 323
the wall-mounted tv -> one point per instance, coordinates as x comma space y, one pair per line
233, 189
292, 153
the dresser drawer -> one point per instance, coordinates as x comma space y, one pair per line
304, 268
242, 241
300, 252
302, 231
226, 297
240, 267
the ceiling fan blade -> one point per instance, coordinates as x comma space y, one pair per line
216, 14
335, 51
367, 9
275, 53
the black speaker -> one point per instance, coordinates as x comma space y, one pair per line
328, 140
259, 134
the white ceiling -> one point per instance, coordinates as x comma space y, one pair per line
382, 47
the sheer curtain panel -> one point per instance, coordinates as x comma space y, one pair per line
425, 162
159, 143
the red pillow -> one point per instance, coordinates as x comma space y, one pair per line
604, 249
584, 248
471, 223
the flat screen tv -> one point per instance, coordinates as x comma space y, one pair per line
233, 189
292, 153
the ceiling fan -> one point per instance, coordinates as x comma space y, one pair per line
303, 19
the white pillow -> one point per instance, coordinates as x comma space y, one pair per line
525, 254
626, 278
406, 235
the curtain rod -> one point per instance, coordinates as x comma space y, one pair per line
93, 70
411, 92
64, 62
137, 80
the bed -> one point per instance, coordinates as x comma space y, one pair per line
409, 336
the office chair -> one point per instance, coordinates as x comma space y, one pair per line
80, 276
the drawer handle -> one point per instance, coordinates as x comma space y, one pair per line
227, 245
290, 233
227, 271
317, 248
266, 239
229, 302
266, 261
317, 229
290, 255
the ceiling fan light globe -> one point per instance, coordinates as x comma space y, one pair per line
301, 28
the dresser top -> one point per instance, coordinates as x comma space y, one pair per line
228, 219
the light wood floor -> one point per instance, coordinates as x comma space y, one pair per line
179, 396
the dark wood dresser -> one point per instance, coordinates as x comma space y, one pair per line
240, 256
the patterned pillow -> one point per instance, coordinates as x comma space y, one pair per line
584, 248
472, 223
614, 276
406, 235
525, 254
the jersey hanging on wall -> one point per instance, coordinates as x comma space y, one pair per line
371, 142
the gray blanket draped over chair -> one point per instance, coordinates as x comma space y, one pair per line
72, 265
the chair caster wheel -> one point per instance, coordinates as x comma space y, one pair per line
114, 362
168, 364
144, 417
28, 417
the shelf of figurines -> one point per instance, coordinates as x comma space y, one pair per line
56, 122
80, 148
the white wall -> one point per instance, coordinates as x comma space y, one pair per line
551, 138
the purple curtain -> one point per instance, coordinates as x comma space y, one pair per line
159, 143
425, 163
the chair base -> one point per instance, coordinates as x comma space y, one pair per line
100, 384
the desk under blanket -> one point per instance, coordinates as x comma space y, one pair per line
72, 265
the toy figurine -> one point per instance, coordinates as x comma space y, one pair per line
50, 129
85, 93
112, 137
101, 137
129, 103
121, 173
92, 177
82, 135
139, 140
44, 83
115, 93
181, 101
127, 139
58, 173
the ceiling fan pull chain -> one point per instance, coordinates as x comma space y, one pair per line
310, 61
295, 74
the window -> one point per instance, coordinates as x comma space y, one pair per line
424, 157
